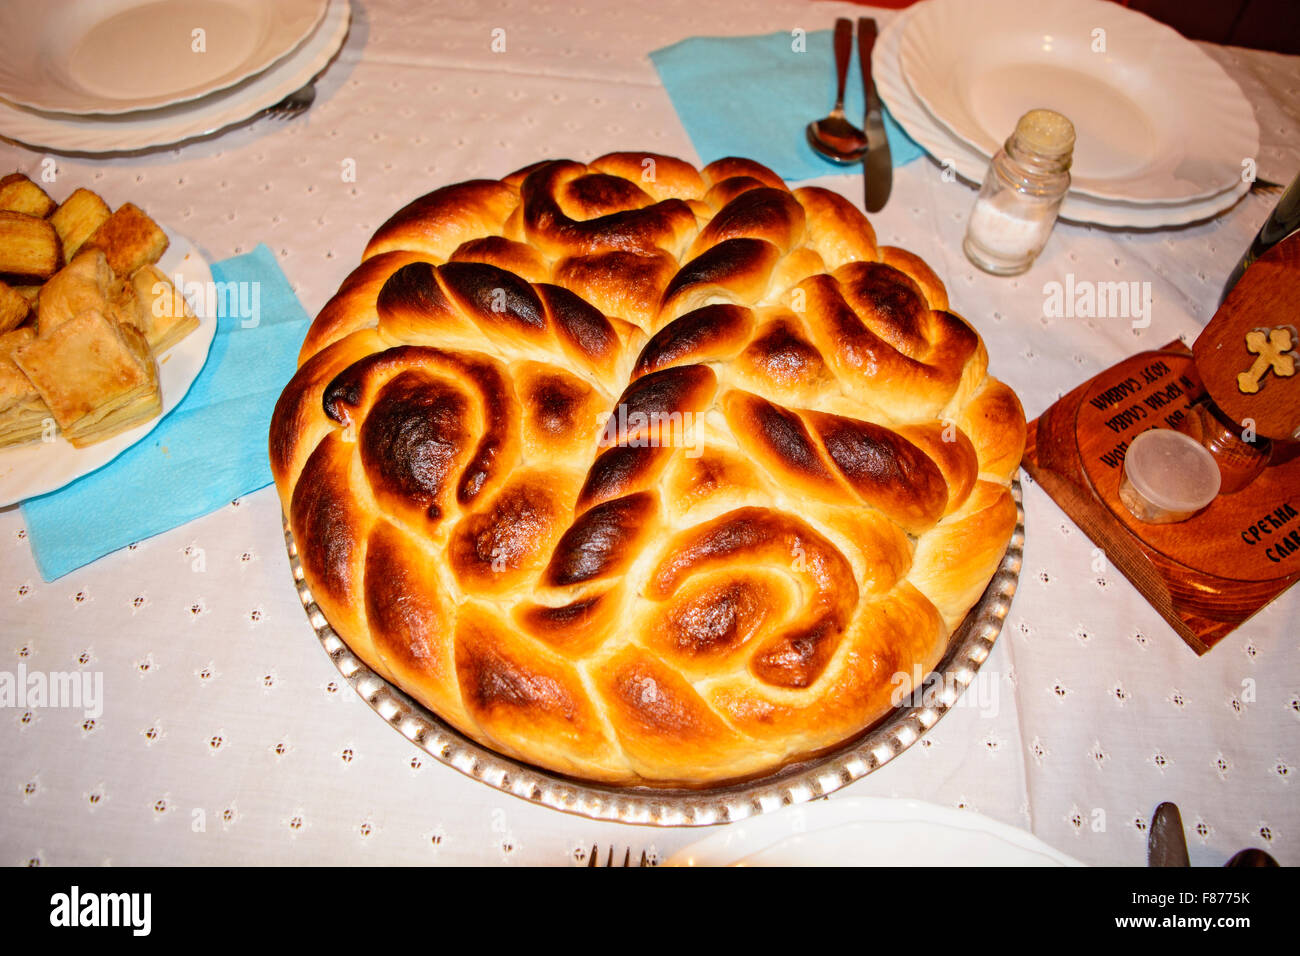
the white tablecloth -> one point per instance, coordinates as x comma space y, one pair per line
227, 735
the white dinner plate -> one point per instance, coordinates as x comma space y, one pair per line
117, 56
175, 124
40, 467
971, 165
1157, 119
870, 831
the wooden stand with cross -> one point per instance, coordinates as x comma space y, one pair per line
1237, 391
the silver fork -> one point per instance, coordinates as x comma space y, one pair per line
594, 858
296, 102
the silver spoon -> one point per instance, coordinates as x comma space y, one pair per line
834, 136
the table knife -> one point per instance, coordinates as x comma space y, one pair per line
1166, 842
877, 167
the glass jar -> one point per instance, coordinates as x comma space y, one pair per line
1022, 192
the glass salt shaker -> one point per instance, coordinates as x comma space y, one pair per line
1021, 195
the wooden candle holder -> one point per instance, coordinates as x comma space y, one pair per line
1208, 574
1205, 575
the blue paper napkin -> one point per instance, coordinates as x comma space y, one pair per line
753, 96
209, 450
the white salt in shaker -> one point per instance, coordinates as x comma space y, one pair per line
1021, 195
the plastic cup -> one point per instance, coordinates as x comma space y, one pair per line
1168, 477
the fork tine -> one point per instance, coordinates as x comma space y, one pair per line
610, 859
295, 103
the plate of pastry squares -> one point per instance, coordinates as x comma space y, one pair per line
98, 341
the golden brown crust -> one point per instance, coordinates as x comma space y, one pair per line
77, 218
130, 240
29, 246
14, 308
642, 473
20, 194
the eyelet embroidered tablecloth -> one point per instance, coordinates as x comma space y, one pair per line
227, 736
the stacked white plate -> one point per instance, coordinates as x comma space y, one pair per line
102, 76
1164, 135
870, 831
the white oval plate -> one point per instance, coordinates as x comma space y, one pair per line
1157, 119
175, 124
41, 467
971, 165
109, 57
870, 831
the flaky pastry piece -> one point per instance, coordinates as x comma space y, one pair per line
645, 474
84, 284
151, 303
97, 376
77, 218
19, 194
29, 246
14, 308
23, 412
129, 238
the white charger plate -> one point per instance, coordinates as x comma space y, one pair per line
971, 165
1157, 119
870, 831
41, 467
117, 56
175, 124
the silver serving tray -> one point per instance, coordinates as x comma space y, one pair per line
796, 783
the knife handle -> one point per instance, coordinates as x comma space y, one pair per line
843, 54
866, 43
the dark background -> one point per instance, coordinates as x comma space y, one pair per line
1261, 24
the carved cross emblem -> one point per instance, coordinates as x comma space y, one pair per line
1273, 350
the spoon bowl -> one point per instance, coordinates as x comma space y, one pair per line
837, 139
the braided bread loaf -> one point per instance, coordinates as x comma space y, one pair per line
645, 474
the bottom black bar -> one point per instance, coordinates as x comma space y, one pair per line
370, 904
